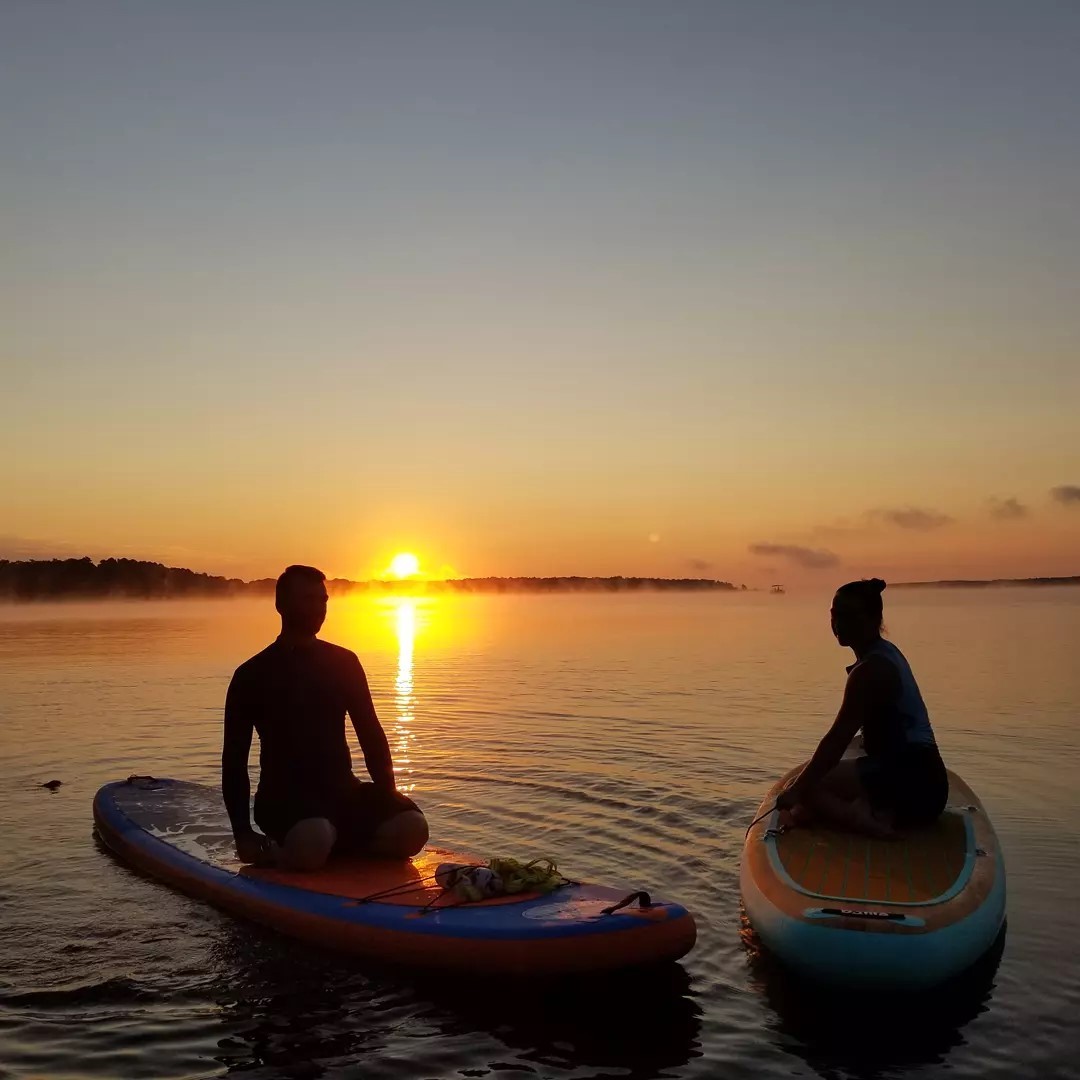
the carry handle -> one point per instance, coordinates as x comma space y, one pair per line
640, 896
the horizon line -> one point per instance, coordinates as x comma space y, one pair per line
169, 581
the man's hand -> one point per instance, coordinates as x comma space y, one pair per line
253, 847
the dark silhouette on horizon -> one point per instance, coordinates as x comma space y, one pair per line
135, 579
68, 579
963, 583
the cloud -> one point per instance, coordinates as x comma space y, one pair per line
912, 517
1007, 509
701, 565
1066, 494
808, 558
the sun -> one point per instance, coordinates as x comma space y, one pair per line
404, 565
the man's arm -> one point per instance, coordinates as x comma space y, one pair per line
369, 731
236, 745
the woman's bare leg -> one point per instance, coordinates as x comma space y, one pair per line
840, 799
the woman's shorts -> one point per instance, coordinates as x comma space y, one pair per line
912, 784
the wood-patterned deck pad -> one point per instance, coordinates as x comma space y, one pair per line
843, 866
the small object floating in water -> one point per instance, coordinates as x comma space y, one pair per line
394, 910
52, 785
876, 914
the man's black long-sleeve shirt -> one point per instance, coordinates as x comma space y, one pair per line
296, 697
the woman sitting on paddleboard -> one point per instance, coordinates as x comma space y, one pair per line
901, 782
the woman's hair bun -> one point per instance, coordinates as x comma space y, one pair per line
877, 584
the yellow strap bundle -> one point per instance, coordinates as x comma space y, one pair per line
500, 877
539, 875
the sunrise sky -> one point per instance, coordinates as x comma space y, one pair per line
760, 291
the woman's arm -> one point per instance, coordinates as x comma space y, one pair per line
869, 689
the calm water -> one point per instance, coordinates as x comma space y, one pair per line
630, 737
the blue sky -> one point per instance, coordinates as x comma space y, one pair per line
526, 286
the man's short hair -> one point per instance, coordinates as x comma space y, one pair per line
295, 573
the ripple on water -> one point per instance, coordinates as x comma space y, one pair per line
632, 746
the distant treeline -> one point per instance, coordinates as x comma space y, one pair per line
70, 579
83, 579
995, 582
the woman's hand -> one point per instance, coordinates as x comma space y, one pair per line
788, 799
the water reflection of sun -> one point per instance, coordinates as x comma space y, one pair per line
405, 625
393, 626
